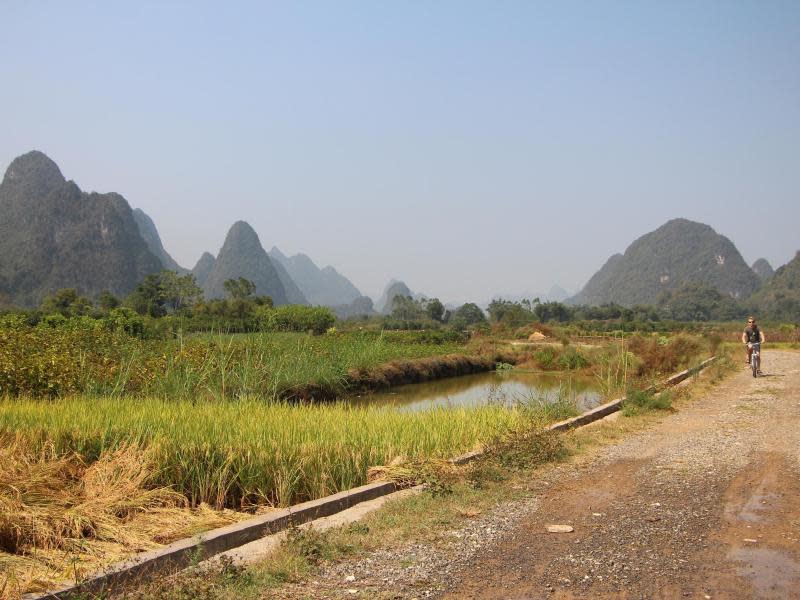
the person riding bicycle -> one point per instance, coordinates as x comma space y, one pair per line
751, 335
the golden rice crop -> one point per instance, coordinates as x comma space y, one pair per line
246, 452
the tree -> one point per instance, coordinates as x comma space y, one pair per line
406, 308
239, 289
435, 309
552, 311
467, 315
180, 291
107, 301
511, 314
66, 302
148, 298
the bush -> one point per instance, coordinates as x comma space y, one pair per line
571, 359
294, 317
125, 319
637, 401
663, 355
546, 358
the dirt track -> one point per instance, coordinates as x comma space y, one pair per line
704, 505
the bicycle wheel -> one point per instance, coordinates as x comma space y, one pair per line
755, 362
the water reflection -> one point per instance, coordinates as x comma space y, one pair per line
506, 388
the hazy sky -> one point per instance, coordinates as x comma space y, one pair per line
467, 148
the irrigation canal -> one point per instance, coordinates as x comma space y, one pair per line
502, 387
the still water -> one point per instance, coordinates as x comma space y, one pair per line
502, 387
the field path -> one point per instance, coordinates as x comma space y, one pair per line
704, 505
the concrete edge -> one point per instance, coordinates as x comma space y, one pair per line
189, 551
598, 412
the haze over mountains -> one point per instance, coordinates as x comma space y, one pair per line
324, 286
53, 235
763, 269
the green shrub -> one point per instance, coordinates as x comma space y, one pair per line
294, 317
125, 319
571, 359
637, 401
545, 357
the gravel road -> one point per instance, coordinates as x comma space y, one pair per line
706, 504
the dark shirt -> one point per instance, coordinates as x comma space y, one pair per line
753, 334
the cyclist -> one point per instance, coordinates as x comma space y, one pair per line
751, 335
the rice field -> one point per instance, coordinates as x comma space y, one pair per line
247, 452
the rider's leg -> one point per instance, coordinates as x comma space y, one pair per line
749, 351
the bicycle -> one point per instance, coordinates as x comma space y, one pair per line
755, 357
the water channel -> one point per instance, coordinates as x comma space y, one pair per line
502, 387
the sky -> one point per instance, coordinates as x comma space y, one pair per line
467, 148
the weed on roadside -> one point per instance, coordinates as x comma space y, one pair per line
637, 401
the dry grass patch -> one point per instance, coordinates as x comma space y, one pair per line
61, 518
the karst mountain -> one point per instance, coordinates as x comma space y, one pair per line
242, 255
678, 252
779, 297
763, 269
54, 235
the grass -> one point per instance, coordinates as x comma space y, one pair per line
205, 414
637, 401
38, 361
89, 472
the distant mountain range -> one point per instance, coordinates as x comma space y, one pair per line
54, 235
678, 252
324, 287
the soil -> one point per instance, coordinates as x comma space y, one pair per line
705, 504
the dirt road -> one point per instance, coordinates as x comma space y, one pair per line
705, 505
